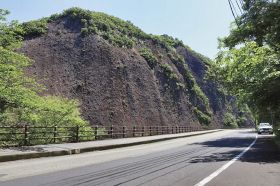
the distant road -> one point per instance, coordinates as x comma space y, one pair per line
185, 161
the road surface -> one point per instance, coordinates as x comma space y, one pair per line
208, 159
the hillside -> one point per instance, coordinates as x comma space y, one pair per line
121, 75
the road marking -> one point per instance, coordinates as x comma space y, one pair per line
225, 166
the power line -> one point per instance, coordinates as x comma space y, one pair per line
239, 6
231, 8
234, 8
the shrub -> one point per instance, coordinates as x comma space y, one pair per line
201, 95
167, 42
149, 57
35, 28
183, 68
230, 120
119, 40
202, 118
180, 86
116, 31
168, 72
176, 58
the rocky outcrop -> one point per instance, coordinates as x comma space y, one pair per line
146, 80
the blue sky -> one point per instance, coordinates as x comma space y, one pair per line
198, 23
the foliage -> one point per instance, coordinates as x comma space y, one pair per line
116, 31
20, 102
180, 86
230, 120
249, 66
202, 96
260, 22
51, 110
202, 118
192, 86
10, 36
201, 57
175, 58
168, 72
244, 113
149, 57
35, 28
252, 73
166, 41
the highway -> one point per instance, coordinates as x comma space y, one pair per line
229, 157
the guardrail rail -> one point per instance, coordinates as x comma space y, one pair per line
27, 135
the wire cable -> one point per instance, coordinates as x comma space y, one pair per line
239, 6
231, 8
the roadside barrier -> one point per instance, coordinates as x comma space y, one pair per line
27, 135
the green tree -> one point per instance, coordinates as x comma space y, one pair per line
230, 120
249, 63
260, 22
20, 102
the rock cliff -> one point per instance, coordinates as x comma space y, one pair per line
121, 75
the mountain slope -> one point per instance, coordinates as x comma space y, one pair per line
121, 75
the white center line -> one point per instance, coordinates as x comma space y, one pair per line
225, 166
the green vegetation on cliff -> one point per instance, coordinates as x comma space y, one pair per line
149, 57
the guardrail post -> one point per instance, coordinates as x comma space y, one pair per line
112, 131
77, 133
143, 131
172, 130
133, 131
124, 132
26, 135
95, 132
150, 130
157, 130
54, 134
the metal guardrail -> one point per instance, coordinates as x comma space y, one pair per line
33, 135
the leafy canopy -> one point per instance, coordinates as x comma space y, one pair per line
260, 22
248, 65
20, 102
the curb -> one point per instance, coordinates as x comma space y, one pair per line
31, 155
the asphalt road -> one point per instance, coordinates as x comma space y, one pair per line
185, 161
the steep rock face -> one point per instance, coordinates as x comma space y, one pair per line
116, 85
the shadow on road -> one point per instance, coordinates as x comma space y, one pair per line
263, 151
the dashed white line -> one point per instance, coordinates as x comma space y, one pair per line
225, 166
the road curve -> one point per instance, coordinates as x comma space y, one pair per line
184, 161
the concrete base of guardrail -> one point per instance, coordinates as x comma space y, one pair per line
69, 151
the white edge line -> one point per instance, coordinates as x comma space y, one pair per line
225, 166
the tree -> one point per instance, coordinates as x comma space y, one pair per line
260, 22
20, 102
249, 61
252, 73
